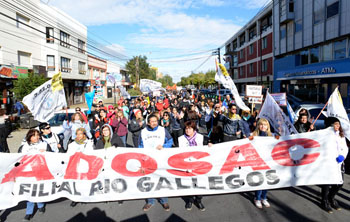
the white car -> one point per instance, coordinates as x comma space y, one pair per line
314, 110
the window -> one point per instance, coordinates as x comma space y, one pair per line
64, 38
234, 44
291, 6
319, 11
65, 65
264, 43
81, 67
252, 33
51, 63
298, 25
235, 61
304, 57
251, 68
283, 9
340, 49
327, 52
282, 31
21, 20
49, 35
264, 65
266, 22
241, 54
24, 58
333, 9
315, 55
251, 49
241, 71
81, 46
242, 39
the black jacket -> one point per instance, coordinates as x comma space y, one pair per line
115, 141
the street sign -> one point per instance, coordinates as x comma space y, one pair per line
253, 91
255, 100
280, 98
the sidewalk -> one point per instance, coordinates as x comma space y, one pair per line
106, 102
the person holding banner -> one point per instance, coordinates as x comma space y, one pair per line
192, 138
328, 192
263, 129
108, 138
155, 137
34, 145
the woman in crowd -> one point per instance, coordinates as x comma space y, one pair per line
81, 143
192, 138
262, 129
151, 108
166, 122
55, 142
136, 125
108, 138
302, 125
100, 120
176, 125
247, 123
120, 124
34, 145
77, 122
328, 192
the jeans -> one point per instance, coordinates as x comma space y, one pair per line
260, 194
162, 200
123, 139
30, 207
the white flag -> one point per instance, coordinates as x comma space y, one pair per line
46, 99
275, 115
147, 85
123, 92
224, 78
335, 108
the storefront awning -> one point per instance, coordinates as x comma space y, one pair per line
315, 76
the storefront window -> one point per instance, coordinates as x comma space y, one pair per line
327, 52
324, 93
315, 55
343, 89
340, 49
304, 57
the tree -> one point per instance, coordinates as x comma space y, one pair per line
166, 81
25, 85
199, 79
142, 71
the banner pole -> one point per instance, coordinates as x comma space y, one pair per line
313, 123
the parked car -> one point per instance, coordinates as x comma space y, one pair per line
314, 110
223, 92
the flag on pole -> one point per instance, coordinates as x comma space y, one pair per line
123, 92
335, 108
89, 97
291, 113
224, 78
275, 115
46, 99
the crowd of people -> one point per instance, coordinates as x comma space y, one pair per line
168, 121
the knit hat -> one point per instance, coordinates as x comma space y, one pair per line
136, 111
110, 107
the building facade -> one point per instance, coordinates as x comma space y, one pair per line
38, 38
249, 53
97, 71
312, 48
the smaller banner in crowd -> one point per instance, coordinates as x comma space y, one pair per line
224, 78
46, 99
147, 85
275, 115
335, 108
280, 98
129, 173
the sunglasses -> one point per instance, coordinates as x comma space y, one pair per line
47, 128
77, 110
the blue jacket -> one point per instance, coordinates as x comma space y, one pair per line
168, 142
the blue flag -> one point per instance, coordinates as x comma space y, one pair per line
291, 113
89, 99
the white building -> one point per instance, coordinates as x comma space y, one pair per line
38, 37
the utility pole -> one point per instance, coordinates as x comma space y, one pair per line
219, 55
219, 68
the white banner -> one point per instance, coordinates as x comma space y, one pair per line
46, 99
224, 78
147, 85
275, 115
129, 173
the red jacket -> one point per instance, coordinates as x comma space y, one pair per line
159, 106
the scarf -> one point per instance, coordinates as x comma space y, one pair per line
262, 133
107, 142
192, 140
82, 141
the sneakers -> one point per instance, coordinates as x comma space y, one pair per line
147, 206
265, 203
166, 206
200, 206
334, 204
188, 206
258, 204
27, 217
42, 210
326, 207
